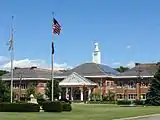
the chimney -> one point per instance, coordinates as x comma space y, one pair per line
136, 64
33, 67
16, 68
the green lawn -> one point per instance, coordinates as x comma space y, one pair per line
84, 112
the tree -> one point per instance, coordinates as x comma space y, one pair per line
122, 69
110, 95
4, 91
153, 95
49, 89
31, 89
2, 72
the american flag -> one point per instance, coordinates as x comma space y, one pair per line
56, 27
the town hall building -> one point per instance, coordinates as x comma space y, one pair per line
82, 81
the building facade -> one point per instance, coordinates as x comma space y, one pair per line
82, 81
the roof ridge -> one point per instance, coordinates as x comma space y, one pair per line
81, 76
77, 75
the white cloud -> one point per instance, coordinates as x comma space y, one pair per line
5, 64
116, 63
131, 64
128, 46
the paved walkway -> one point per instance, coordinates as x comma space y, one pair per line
146, 117
151, 118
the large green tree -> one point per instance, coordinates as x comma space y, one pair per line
2, 72
31, 89
4, 91
122, 69
153, 95
49, 89
110, 95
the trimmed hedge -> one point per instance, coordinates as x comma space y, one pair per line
66, 106
102, 102
123, 102
139, 102
40, 101
128, 102
65, 100
19, 107
55, 106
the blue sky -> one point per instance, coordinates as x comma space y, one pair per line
127, 30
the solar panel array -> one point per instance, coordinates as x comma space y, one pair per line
108, 70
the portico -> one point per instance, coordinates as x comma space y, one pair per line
76, 87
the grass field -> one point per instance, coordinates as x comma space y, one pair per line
84, 112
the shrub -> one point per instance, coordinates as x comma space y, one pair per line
41, 101
66, 106
105, 98
55, 106
123, 102
139, 102
19, 107
77, 101
101, 102
65, 100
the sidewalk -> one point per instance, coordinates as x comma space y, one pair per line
145, 117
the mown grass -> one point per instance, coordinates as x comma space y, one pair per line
85, 112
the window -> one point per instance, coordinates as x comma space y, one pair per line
107, 83
143, 96
41, 85
15, 85
144, 84
23, 86
119, 83
132, 96
112, 84
131, 84
119, 96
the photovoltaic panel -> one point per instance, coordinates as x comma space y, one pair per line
108, 70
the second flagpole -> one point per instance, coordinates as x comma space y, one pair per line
52, 60
12, 57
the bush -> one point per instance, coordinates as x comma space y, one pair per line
123, 102
65, 100
41, 101
66, 106
19, 107
55, 106
101, 102
77, 101
139, 102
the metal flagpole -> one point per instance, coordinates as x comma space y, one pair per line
12, 57
52, 59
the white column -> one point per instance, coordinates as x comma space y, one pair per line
66, 93
81, 94
71, 94
89, 93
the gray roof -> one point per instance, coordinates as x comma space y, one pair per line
144, 71
91, 69
29, 73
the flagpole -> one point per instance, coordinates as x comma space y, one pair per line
52, 61
12, 57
